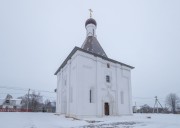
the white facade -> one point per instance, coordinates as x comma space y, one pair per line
85, 72
91, 84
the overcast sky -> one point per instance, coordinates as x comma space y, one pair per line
37, 35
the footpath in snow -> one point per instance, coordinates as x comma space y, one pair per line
50, 120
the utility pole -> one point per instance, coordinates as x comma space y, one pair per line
28, 101
135, 108
156, 105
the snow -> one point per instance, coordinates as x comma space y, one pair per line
36, 120
50, 120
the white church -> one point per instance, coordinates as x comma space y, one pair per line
91, 84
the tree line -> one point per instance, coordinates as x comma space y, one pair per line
34, 102
172, 105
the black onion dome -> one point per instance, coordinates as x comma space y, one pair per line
90, 21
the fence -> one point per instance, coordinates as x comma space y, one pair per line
14, 110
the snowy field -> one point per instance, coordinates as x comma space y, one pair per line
49, 120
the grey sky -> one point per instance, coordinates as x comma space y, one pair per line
37, 35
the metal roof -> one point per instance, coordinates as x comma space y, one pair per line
90, 21
91, 44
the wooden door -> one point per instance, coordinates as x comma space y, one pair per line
106, 108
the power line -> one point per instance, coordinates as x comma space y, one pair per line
42, 91
13, 88
23, 89
11, 93
142, 97
146, 98
49, 97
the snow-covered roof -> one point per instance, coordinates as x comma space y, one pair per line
16, 99
16, 102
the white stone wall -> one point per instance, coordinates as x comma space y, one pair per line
85, 72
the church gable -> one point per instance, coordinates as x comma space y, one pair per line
94, 54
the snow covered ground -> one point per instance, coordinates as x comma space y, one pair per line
49, 120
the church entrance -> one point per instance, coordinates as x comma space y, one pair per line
106, 108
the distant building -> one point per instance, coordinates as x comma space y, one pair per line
10, 103
178, 109
91, 84
50, 107
134, 109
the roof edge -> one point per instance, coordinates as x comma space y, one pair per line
80, 49
65, 61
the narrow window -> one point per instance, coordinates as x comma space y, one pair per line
93, 32
122, 97
107, 78
90, 96
108, 65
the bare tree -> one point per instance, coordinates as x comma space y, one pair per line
47, 105
146, 109
34, 101
172, 101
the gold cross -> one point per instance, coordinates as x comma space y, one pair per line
90, 10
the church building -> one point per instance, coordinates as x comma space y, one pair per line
89, 83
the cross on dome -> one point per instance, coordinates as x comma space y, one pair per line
91, 43
90, 10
